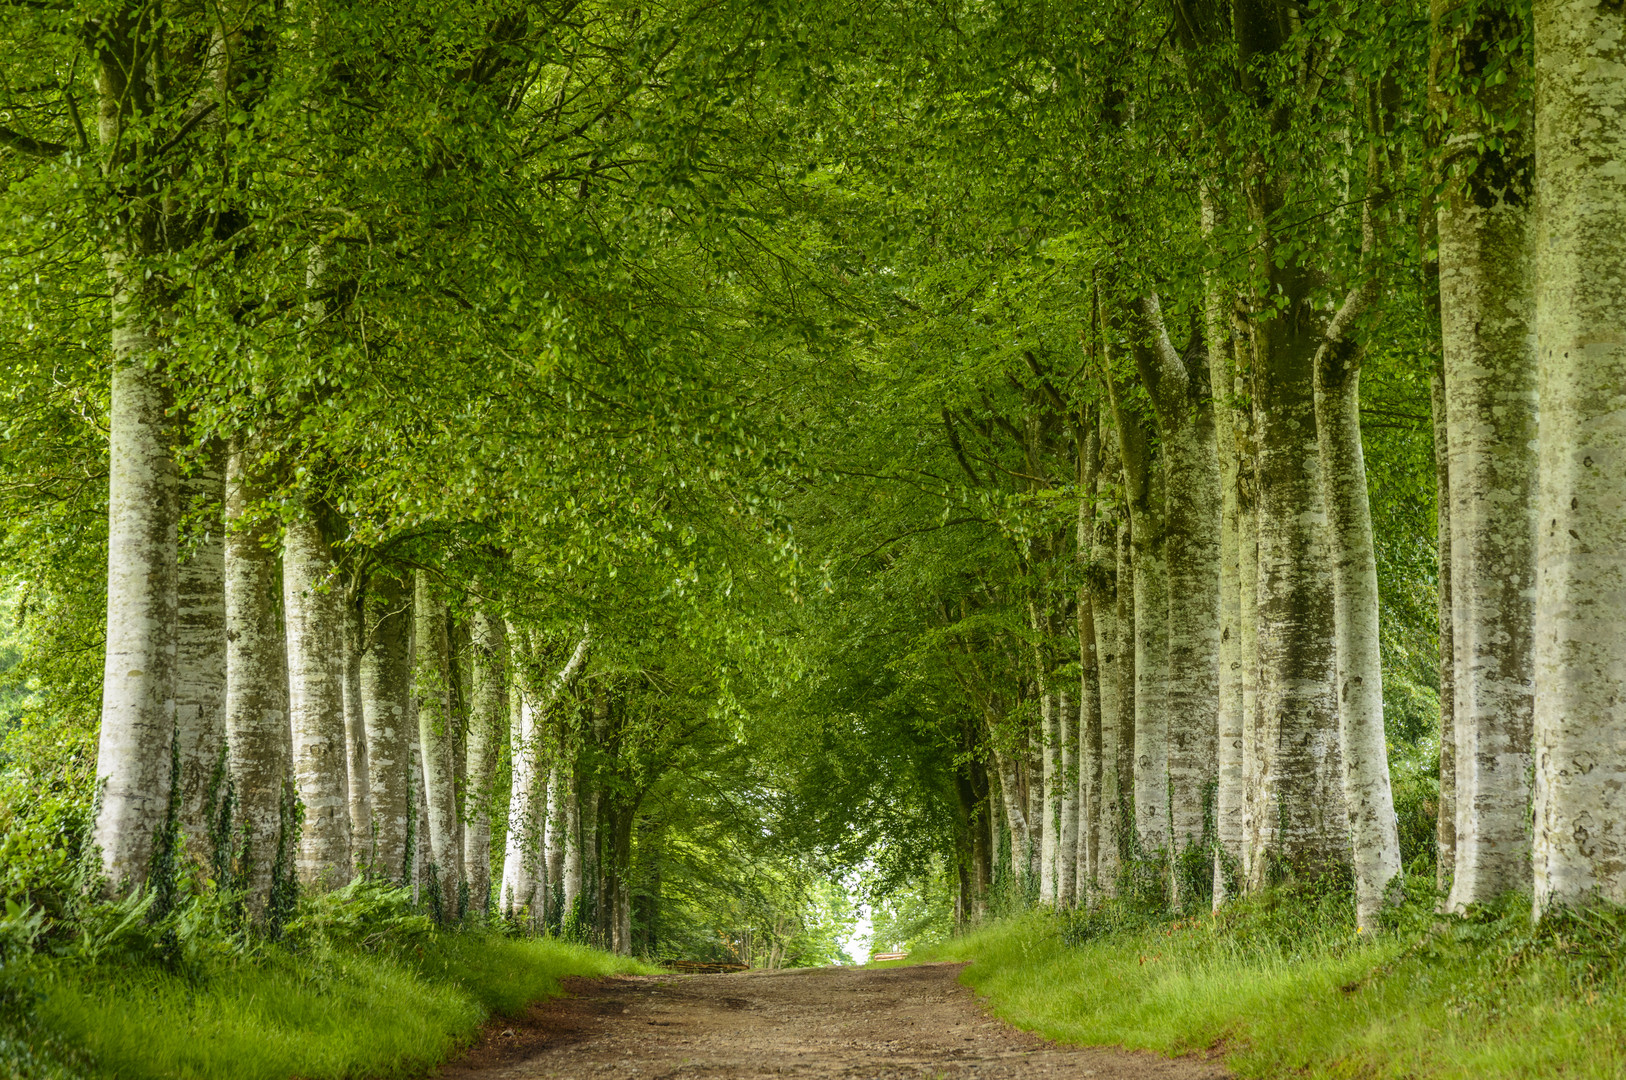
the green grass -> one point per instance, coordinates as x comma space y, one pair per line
1278, 988
314, 1013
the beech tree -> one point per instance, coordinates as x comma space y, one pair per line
1066, 454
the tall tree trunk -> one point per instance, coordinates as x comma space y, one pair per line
1088, 718
1103, 614
1128, 683
1144, 481
1487, 320
138, 684
1050, 760
1039, 818
258, 739
432, 672
1445, 825
1229, 787
363, 840
523, 853
1253, 758
1301, 822
1067, 782
1580, 625
311, 599
488, 714
554, 840
1302, 825
1016, 815
1374, 839
200, 669
573, 902
525, 863
1185, 413
385, 674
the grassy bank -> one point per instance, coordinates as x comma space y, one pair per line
379, 998
1283, 986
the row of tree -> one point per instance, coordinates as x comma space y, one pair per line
966, 410
1164, 328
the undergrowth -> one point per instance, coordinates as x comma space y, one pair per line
1282, 984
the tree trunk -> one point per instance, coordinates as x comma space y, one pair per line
1088, 718
311, 600
488, 714
1185, 412
363, 841
1229, 787
1103, 616
1067, 781
138, 684
1580, 622
1302, 826
1374, 839
1144, 481
1247, 535
574, 903
1128, 680
258, 739
385, 674
432, 671
1016, 817
555, 838
1487, 320
1445, 825
200, 669
1049, 771
1039, 819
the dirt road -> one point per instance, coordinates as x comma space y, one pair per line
848, 1023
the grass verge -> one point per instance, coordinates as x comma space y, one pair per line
1280, 985
360, 986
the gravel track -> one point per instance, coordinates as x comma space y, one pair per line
848, 1023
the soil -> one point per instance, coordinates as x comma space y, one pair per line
848, 1023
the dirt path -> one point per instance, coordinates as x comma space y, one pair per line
851, 1023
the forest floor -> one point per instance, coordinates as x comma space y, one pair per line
874, 1024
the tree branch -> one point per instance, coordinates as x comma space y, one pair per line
22, 144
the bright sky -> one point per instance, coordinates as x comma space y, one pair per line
858, 944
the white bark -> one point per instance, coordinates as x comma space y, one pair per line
1104, 620
200, 670
363, 847
257, 735
311, 600
432, 683
554, 840
1580, 621
138, 683
525, 872
1067, 783
1229, 787
488, 714
1247, 534
1302, 825
571, 874
1487, 320
1128, 681
523, 855
386, 690
1144, 481
1049, 777
1374, 838
1016, 816
1445, 828
1185, 414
